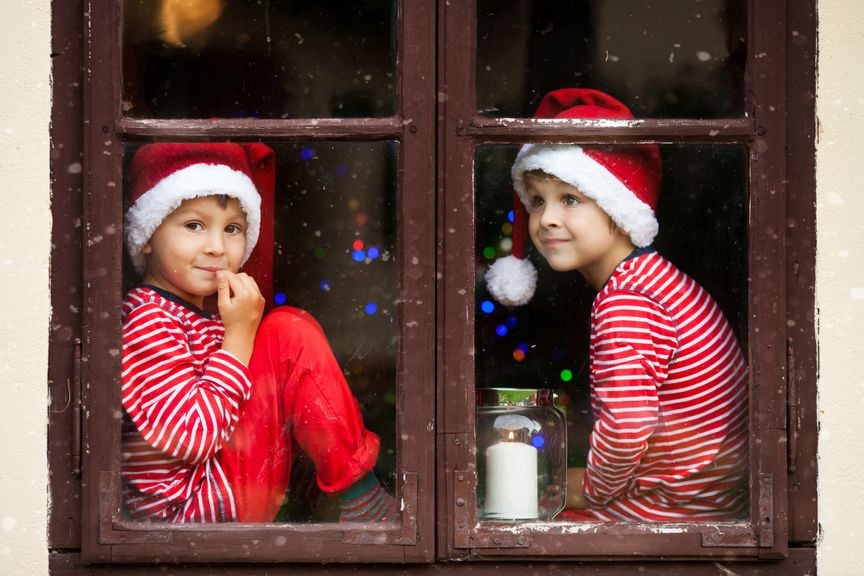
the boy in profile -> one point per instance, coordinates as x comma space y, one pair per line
668, 379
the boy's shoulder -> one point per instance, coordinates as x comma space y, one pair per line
644, 273
147, 300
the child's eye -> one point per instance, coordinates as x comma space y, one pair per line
234, 229
536, 201
194, 226
570, 200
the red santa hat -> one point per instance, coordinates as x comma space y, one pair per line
624, 180
161, 176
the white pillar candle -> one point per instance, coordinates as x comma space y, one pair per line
511, 481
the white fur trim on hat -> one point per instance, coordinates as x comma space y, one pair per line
570, 164
194, 181
511, 280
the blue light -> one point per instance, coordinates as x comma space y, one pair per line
279, 298
511, 322
487, 306
538, 441
342, 170
510, 216
307, 153
501, 330
359, 255
373, 252
325, 285
371, 308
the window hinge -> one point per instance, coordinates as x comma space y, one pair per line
793, 417
75, 393
466, 534
766, 510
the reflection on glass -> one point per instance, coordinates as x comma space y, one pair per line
258, 58
329, 250
702, 215
667, 60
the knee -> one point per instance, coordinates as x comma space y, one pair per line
293, 321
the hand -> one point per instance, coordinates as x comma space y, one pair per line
240, 306
575, 496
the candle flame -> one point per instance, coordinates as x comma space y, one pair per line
182, 20
511, 436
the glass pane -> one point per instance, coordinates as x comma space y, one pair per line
328, 263
666, 59
545, 343
259, 58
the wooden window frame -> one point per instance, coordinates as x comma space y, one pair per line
109, 537
762, 130
81, 125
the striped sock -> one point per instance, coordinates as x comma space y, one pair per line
366, 501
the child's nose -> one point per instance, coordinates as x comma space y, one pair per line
215, 243
550, 217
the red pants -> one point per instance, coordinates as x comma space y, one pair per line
299, 392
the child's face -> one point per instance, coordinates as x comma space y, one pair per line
194, 242
572, 232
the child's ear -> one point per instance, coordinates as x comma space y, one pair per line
146, 249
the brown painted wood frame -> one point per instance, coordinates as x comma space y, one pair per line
67, 272
763, 132
106, 536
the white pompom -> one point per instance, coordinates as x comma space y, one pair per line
511, 281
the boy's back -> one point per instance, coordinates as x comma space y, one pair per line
665, 364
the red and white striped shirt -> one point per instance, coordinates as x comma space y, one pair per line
181, 395
669, 396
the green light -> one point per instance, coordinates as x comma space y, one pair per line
489, 252
566, 375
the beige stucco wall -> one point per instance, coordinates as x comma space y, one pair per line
25, 228
840, 286
25, 313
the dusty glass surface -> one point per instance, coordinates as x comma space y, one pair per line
334, 255
337, 257
665, 59
702, 215
258, 58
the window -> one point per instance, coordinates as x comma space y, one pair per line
395, 125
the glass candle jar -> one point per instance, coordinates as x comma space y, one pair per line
521, 454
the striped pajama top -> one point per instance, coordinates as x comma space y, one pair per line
181, 396
669, 394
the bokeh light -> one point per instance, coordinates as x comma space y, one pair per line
307, 153
279, 298
538, 441
501, 330
373, 252
358, 245
371, 308
359, 255
566, 375
487, 306
489, 252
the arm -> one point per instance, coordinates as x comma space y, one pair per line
632, 341
184, 406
